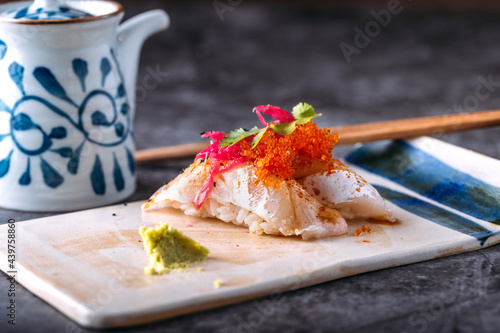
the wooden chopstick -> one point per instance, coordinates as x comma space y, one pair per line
415, 127
170, 153
385, 130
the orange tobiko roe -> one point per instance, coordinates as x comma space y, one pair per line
278, 155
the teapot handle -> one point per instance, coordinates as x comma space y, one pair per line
131, 36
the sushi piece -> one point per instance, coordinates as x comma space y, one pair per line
239, 197
348, 192
249, 178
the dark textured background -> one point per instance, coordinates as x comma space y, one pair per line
214, 71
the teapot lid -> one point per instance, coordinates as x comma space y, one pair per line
52, 10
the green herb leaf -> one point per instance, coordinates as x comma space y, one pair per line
284, 128
256, 139
304, 112
237, 135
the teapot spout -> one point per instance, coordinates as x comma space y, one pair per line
131, 36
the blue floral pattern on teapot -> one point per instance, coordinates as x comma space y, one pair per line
59, 13
52, 141
44, 10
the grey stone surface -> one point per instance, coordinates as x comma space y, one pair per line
214, 71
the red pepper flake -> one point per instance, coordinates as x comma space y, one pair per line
237, 245
357, 232
366, 241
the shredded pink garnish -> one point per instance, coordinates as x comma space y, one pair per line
205, 189
280, 115
214, 146
213, 135
214, 151
221, 159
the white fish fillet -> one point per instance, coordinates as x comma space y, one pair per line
347, 192
240, 198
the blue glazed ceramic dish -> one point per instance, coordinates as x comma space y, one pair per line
435, 181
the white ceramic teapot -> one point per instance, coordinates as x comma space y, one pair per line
67, 84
